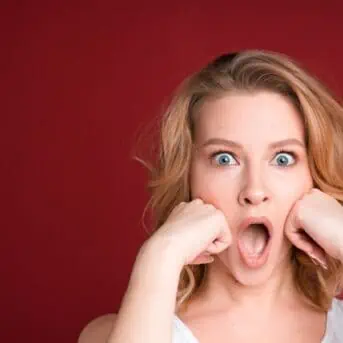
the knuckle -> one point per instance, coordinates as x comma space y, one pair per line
210, 206
220, 214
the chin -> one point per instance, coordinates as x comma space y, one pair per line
277, 262
251, 278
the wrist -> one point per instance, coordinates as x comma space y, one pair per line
162, 251
155, 269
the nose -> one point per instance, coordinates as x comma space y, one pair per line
253, 192
252, 198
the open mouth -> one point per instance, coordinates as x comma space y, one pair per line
254, 237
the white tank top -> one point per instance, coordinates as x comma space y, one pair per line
333, 332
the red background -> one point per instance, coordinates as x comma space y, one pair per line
79, 79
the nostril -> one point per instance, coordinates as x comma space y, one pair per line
255, 200
247, 201
248, 197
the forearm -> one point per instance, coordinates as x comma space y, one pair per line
148, 306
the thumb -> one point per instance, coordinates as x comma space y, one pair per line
221, 243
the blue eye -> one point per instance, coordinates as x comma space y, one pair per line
224, 158
284, 159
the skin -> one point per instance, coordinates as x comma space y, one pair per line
320, 216
252, 179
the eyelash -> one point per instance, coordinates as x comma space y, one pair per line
281, 151
214, 154
293, 154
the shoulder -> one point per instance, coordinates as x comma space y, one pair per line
98, 330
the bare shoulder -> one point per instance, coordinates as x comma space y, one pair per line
97, 330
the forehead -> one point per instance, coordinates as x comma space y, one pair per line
260, 117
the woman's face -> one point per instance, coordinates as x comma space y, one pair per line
250, 160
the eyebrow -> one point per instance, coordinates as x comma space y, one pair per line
273, 145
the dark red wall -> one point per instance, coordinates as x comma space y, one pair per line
79, 79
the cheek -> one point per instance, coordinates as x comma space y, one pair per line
213, 187
291, 187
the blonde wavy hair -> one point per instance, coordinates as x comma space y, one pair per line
252, 71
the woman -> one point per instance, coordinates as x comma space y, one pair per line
247, 195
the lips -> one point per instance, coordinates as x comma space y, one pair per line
256, 220
254, 237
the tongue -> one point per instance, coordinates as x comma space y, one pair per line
254, 239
